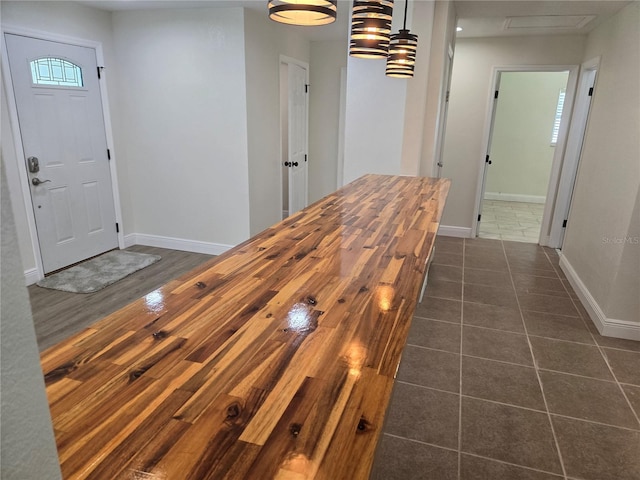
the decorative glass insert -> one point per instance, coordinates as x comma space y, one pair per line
558, 117
56, 71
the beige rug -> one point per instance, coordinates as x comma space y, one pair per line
99, 272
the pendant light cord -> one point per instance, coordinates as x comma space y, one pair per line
406, 4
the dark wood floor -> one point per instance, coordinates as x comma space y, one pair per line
58, 315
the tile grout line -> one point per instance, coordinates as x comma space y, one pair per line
449, 449
512, 464
602, 353
496, 402
435, 319
419, 441
431, 348
464, 243
535, 366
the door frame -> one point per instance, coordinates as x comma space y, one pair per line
575, 137
442, 114
552, 188
17, 136
290, 60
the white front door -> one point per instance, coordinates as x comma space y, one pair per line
63, 137
297, 162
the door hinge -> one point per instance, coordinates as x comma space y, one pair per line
486, 160
108, 154
446, 98
479, 217
306, 88
564, 224
99, 72
305, 157
590, 91
117, 228
495, 95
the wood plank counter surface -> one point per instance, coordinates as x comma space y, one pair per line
273, 360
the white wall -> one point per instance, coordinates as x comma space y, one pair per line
28, 449
471, 95
374, 120
327, 58
422, 24
521, 149
265, 41
14, 186
380, 108
602, 241
72, 20
183, 122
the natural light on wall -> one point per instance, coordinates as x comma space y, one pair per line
556, 122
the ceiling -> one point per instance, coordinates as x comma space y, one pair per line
478, 18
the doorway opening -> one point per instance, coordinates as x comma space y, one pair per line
524, 150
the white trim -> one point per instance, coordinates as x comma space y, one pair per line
17, 137
452, 231
130, 240
284, 59
341, 127
31, 276
576, 130
608, 327
514, 197
172, 243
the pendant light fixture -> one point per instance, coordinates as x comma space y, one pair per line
401, 59
370, 28
303, 12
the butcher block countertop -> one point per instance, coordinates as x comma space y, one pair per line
274, 360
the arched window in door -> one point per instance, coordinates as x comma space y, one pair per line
56, 71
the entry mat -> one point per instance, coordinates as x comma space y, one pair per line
99, 272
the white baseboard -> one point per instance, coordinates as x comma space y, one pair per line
129, 240
31, 276
451, 231
514, 197
608, 327
195, 246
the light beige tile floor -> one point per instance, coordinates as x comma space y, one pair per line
514, 221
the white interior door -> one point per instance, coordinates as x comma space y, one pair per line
297, 126
63, 136
487, 158
444, 112
572, 154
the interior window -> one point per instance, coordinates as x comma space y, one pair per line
56, 71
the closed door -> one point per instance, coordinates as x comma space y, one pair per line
297, 163
63, 137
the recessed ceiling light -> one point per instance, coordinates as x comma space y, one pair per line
458, 29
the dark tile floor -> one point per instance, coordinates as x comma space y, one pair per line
504, 376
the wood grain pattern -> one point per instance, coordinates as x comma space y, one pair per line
274, 360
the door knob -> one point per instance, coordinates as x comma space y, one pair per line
287, 164
36, 181
295, 164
